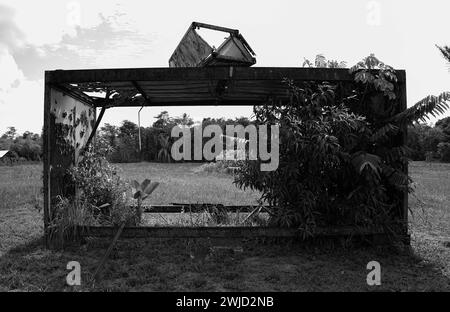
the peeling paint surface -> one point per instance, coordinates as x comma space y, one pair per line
75, 116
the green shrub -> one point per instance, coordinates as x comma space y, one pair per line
100, 186
444, 124
315, 175
444, 151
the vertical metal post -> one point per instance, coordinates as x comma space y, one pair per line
404, 207
139, 130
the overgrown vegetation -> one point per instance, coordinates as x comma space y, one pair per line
98, 184
342, 157
101, 198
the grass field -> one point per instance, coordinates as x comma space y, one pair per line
166, 265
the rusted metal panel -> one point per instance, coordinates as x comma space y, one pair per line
75, 118
234, 48
191, 51
231, 53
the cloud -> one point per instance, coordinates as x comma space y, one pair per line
23, 107
11, 37
11, 74
105, 45
108, 42
21, 99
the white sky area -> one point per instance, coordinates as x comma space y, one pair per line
44, 35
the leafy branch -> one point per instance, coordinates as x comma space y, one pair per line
141, 192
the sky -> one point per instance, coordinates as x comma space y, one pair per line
55, 34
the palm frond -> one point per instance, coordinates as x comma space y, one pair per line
445, 50
384, 132
421, 111
398, 179
394, 154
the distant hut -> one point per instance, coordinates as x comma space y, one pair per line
6, 157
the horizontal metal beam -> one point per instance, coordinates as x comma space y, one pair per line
191, 102
203, 73
217, 232
178, 208
213, 27
189, 232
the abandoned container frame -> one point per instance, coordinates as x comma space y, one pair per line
73, 96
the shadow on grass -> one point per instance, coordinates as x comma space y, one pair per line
180, 265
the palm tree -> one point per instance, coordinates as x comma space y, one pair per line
445, 50
430, 105
164, 151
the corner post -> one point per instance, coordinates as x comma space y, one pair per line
46, 157
404, 106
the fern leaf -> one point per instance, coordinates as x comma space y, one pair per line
431, 105
398, 179
399, 153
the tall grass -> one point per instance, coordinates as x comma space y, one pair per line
68, 215
20, 185
203, 219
